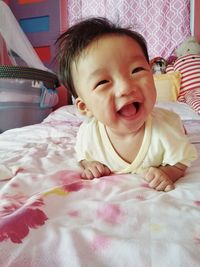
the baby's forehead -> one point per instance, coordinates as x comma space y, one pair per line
97, 43
98, 54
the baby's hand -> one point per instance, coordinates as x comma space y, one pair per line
158, 180
94, 169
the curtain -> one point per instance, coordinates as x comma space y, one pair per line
164, 23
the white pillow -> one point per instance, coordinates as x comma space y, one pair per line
182, 109
65, 113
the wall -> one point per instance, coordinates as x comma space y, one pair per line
40, 20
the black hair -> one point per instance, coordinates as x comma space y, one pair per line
72, 42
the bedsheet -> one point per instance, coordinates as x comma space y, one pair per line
50, 217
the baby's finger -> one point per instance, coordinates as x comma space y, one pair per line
169, 187
154, 183
87, 174
163, 184
102, 169
95, 172
149, 177
107, 171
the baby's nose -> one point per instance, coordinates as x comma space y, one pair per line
124, 87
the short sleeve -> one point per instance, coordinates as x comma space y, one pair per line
82, 141
87, 142
175, 142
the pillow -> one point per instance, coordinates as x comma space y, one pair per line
182, 109
65, 114
167, 86
189, 67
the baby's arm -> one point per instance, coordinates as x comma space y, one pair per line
93, 169
163, 177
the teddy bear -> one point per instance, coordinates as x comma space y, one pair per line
189, 46
188, 64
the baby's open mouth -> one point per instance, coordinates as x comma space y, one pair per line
130, 109
136, 105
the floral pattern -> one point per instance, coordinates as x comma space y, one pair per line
50, 217
16, 220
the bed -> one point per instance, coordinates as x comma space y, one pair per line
50, 217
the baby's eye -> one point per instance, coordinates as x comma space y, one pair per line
137, 69
101, 82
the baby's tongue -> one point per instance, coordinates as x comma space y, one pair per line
128, 110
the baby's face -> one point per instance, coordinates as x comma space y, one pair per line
114, 83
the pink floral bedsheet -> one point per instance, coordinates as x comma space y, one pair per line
50, 217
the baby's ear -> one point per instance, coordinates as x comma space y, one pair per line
82, 108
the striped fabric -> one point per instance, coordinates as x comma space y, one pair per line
189, 67
192, 98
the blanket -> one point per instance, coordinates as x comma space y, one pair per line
50, 217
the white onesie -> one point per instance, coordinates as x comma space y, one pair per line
164, 142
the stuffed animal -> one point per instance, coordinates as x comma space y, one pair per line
158, 65
188, 64
189, 46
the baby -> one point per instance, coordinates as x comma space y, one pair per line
107, 70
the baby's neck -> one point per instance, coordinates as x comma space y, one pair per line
112, 134
126, 146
